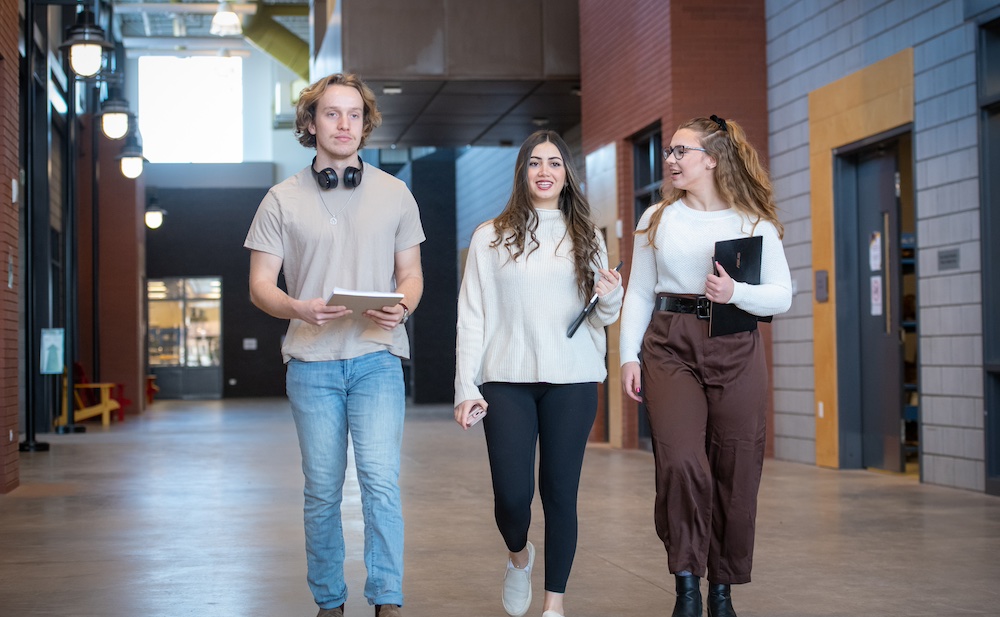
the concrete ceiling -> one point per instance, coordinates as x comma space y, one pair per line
440, 113
182, 26
479, 113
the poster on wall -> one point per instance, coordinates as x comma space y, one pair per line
53, 344
875, 251
876, 295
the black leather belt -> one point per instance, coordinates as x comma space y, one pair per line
680, 304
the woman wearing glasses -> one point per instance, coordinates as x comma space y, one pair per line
705, 396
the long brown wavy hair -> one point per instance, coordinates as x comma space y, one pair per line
305, 110
740, 177
515, 227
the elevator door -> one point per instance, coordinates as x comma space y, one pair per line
879, 311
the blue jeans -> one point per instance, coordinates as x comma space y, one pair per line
362, 396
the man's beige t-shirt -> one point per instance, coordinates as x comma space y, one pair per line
293, 222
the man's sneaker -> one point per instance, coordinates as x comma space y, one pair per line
387, 610
517, 586
331, 612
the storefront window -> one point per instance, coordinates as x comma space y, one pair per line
185, 321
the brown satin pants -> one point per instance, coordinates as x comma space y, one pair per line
706, 399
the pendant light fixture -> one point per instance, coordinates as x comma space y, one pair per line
154, 214
87, 45
131, 159
114, 114
226, 22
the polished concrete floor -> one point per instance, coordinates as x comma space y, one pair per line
194, 509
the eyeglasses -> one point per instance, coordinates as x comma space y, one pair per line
679, 151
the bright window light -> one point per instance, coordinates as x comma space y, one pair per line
191, 109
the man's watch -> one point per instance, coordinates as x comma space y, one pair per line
406, 314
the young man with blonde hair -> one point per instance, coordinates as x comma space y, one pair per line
323, 228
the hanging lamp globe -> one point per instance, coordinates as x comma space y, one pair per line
115, 117
130, 159
226, 22
154, 216
87, 45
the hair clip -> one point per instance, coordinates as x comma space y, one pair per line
720, 121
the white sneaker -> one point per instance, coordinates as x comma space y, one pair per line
517, 586
551, 614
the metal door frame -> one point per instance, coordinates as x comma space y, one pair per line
989, 232
647, 146
847, 289
988, 71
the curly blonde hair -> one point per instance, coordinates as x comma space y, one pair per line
740, 177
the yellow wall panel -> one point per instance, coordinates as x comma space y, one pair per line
872, 101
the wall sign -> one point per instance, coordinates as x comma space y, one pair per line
875, 251
949, 259
53, 345
876, 295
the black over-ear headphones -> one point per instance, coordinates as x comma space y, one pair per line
327, 178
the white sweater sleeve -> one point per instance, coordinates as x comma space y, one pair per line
608, 306
471, 325
640, 296
774, 294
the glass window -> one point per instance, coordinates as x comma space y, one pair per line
166, 320
191, 109
202, 323
989, 61
648, 166
185, 322
647, 153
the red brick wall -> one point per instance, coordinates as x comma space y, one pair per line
721, 67
645, 62
625, 72
9, 320
121, 255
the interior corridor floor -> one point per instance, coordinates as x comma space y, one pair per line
194, 509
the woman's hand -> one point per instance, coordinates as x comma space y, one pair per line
719, 288
462, 411
632, 381
609, 281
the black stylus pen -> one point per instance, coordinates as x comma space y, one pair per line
587, 309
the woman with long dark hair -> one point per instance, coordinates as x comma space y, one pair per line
528, 274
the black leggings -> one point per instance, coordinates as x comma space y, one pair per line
559, 417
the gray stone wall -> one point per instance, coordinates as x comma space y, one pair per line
812, 43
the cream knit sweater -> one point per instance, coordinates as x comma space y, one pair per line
685, 241
513, 315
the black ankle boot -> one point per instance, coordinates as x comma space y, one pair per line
688, 597
720, 604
